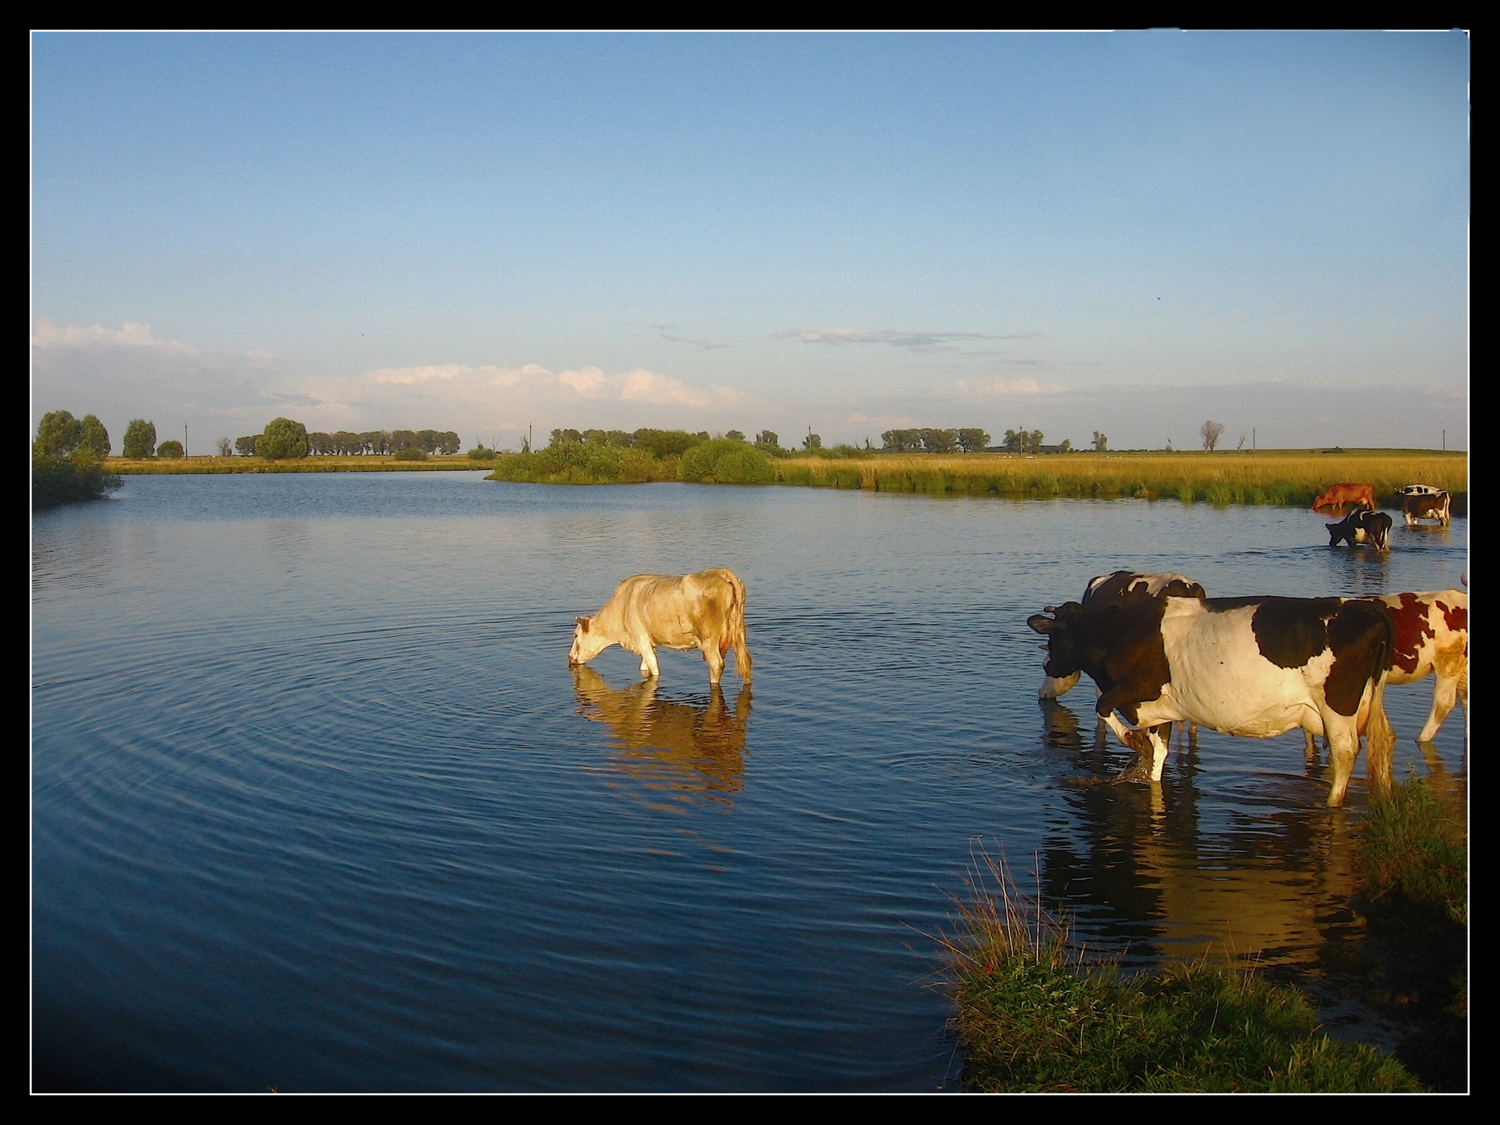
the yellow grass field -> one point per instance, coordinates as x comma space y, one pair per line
1290, 477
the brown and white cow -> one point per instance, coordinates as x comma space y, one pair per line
1432, 639
1123, 587
1256, 667
1428, 506
1340, 495
703, 611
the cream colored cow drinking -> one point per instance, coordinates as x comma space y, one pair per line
703, 611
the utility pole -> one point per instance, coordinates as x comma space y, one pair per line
1445, 441
1252, 439
184, 440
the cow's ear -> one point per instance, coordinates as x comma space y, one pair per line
1041, 623
583, 623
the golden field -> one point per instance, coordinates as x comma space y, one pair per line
1289, 477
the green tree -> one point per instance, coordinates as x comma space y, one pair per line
140, 438
245, 446
734, 435
282, 439
92, 436
972, 440
169, 449
57, 434
812, 441
1101, 442
768, 439
939, 441
666, 443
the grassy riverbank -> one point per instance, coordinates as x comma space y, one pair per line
125, 466
1034, 1015
1283, 477
1411, 870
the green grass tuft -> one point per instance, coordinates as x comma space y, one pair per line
1413, 851
1034, 1015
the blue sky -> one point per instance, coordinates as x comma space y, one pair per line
1127, 232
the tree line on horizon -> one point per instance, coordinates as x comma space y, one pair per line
345, 443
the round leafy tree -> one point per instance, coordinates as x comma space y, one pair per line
283, 438
140, 438
171, 449
57, 434
93, 437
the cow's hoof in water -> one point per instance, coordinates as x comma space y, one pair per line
1140, 771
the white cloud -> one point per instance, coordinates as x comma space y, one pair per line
1001, 388
132, 334
913, 341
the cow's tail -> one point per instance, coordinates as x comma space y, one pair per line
736, 631
1382, 753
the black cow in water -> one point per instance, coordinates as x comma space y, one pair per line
1257, 667
1360, 525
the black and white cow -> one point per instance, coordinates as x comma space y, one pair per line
1256, 667
1123, 587
1360, 525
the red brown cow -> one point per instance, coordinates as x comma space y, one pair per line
1432, 639
1341, 495
1428, 506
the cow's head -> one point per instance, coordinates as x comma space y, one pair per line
1063, 658
587, 642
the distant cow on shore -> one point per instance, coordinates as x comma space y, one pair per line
1341, 496
705, 611
1360, 525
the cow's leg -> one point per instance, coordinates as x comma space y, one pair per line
1122, 732
1446, 691
1343, 748
649, 666
715, 660
1158, 745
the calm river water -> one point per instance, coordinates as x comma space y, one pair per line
317, 803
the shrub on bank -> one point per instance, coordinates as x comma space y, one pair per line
1033, 1016
410, 453
1414, 852
68, 480
724, 461
573, 462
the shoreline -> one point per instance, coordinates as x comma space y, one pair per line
1283, 478
372, 463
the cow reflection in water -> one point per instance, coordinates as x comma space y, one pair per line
665, 744
1136, 867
